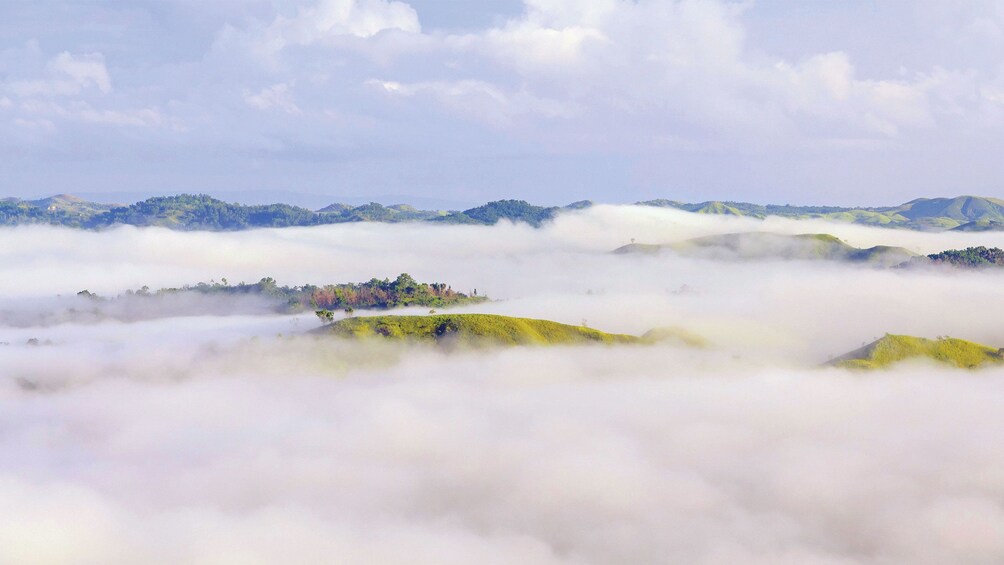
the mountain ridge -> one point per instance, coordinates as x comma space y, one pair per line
203, 212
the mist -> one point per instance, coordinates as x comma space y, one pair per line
212, 430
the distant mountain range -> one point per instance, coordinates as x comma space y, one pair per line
202, 212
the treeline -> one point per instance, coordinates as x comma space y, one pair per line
512, 210
203, 212
970, 257
374, 294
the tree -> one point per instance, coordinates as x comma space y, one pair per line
349, 311
325, 316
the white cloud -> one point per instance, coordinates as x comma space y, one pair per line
88, 69
69, 75
82, 111
329, 19
481, 101
276, 96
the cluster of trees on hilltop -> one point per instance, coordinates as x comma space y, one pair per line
402, 291
374, 294
971, 257
512, 210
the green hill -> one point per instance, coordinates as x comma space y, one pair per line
202, 212
764, 245
970, 257
892, 349
472, 330
512, 210
961, 209
933, 214
373, 212
980, 225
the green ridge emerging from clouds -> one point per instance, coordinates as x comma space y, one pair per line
966, 213
474, 330
892, 349
764, 245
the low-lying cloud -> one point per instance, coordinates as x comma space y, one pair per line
180, 434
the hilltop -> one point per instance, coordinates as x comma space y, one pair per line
472, 330
765, 245
969, 258
892, 349
203, 212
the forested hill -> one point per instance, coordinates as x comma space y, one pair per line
968, 258
375, 294
202, 212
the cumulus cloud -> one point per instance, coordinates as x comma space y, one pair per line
362, 18
686, 96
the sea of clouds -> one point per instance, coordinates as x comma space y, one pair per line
193, 433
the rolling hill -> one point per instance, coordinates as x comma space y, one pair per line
980, 225
472, 330
892, 349
766, 246
932, 214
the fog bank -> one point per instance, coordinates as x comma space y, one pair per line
207, 430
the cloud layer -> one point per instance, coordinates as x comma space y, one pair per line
220, 439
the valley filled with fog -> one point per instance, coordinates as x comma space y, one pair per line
216, 430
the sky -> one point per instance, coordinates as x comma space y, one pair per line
851, 103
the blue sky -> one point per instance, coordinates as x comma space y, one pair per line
853, 102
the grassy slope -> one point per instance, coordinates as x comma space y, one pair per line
894, 348
473, 330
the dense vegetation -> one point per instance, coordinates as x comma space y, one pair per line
892, 349
512, 210
374, 294
201, 212
472, 330
970, 257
